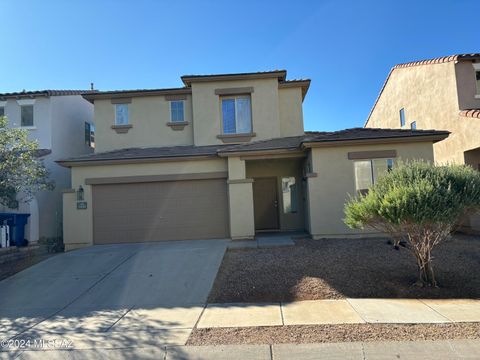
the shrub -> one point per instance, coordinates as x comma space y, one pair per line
420, 202
52, 244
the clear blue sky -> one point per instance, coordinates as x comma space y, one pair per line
345, 47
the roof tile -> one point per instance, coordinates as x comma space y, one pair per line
472, 113
44, 93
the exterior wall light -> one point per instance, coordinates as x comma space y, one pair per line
80, 195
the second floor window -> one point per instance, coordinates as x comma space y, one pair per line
176, 111
90, 135
26, 116
236, 115
413, 125
368, 171
121, 114
402, 117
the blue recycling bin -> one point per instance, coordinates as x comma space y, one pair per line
16, 222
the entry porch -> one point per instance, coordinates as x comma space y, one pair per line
267, 195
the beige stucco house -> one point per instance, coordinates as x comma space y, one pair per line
441, 93
224, 156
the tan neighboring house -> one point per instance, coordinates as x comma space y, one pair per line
224, 156
443, 94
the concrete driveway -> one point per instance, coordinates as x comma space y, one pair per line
110, 296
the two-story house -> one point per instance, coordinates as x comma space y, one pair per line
224, 156
61, 121
441, 93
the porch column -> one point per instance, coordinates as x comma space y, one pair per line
240, 193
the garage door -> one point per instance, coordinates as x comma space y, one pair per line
156, 211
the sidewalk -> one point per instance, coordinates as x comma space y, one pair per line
172, 326
424, 350
345, 311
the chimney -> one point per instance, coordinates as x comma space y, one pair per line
91, 86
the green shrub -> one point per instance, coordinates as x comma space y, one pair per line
419, 202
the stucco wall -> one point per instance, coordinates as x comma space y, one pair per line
207, 115
68, 117
275, 113
148, 117
41, 130
240, 200
78, 224
428, 93
290, 111
335, 182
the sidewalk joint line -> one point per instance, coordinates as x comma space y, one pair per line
199, 317
19, 354
363, 350
359, 315
120, 318
421, 300
281, 314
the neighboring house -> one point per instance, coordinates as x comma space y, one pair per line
225, 156
441, 93
59, 120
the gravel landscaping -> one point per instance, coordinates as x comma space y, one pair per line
333, 333
339, 268
10, 268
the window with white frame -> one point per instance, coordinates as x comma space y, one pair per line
236, 114
26, 118
121, 114
367, 172
177, 111
402, 117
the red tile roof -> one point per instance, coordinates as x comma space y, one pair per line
439, 60
472, 113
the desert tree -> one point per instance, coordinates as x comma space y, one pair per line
420, 202
22, 172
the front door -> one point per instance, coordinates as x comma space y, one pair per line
265, 203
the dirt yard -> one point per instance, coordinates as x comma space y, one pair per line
338, 268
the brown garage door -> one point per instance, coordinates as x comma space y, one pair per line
155, 211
